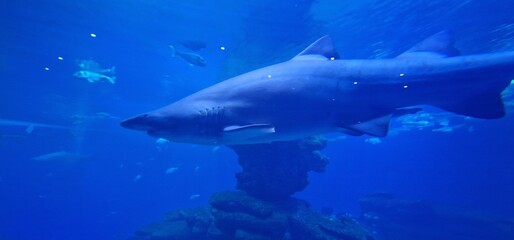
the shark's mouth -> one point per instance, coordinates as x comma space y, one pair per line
137, 123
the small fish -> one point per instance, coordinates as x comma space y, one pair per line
29, 129
373, 140
137, 178
194, 45
161, 140
420, 123
192, 58
445, 129
171, 170
63, 156
194, 196
105, 115
80, 118
93, 76
92, 66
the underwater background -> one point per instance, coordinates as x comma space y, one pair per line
69, 171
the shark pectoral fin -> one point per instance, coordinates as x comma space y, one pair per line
350, 132
322, 47
438, 45
486, 106
91, 79
247, 131
377, 127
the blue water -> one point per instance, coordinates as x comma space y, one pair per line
116, 180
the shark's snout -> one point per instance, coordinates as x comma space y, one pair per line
142, 122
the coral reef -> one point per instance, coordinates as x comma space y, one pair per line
235, 215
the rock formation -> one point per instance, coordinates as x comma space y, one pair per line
276, 171
264, 208
235, 215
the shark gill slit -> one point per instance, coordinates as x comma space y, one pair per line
212, 120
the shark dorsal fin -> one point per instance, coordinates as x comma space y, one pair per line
322, 47
438, 45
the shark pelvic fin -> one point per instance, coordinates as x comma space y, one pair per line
350, 132
321, 47
438, 45
485, 106
247, 131
377, 127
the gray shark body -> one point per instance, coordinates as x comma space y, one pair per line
315, 93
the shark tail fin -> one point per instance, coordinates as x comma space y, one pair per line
484, 106
173, 51
486, 101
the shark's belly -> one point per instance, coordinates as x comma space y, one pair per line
290, 122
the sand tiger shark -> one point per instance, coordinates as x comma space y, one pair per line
316, 92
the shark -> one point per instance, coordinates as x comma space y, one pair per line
317, 92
